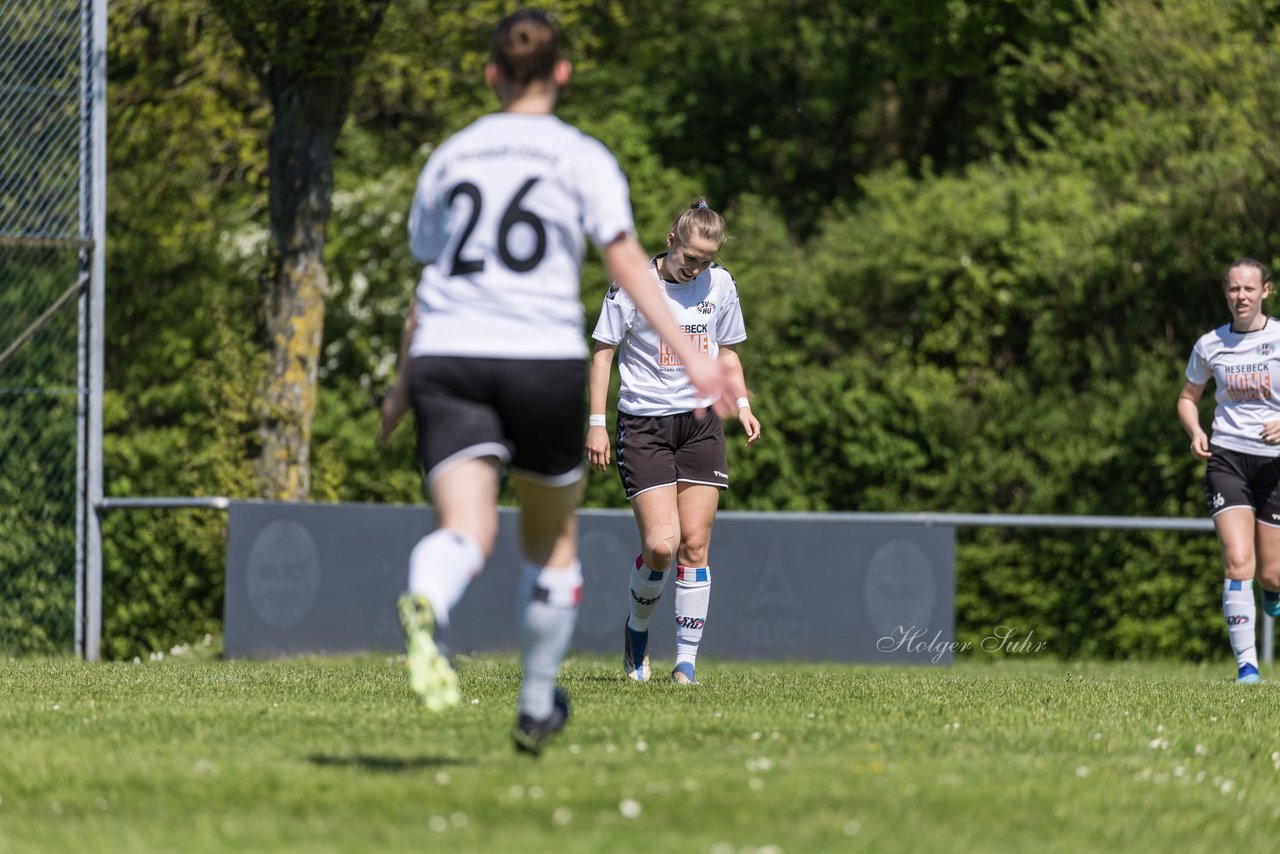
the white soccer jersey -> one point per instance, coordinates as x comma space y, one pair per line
654, 381
498, 218
1245, 368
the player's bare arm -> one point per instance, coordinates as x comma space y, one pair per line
598, 384
737, 379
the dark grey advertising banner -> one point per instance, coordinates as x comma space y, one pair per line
324, 578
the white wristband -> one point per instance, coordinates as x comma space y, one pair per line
744, 403
597, 421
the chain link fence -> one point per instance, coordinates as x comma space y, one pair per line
45, 256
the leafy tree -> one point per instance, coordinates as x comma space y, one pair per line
305, 56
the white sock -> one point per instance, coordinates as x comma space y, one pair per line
549, 608
693, 598
646, 590
1241, 613
441, 566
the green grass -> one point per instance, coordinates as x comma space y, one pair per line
334, 755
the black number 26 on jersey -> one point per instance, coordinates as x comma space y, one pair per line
513, 216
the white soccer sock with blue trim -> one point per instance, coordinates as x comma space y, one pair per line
549, 609
1241, 611
441, 566
646, 589
693, 600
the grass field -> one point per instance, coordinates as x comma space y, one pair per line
334, 755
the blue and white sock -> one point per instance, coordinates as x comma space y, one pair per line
646, 589
1241, 612
441, 566
549, 600
693, 599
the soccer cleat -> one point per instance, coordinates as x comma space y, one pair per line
431, 676
531, 736
1271, 602
1248, 675
683, 674
635, 649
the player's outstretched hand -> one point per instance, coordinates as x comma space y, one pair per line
713, 377
598, 447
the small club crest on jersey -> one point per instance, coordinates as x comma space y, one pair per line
706, 307
1266, 349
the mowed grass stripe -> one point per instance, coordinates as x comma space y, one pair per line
334, 755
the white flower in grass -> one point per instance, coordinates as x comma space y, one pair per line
723, 848
101, 803
575, 749
562, 816
642, 746
755, 784
852, 827
1179, 770
459, 819
1159, 744
1200, 777
475, 701
630, 808
442, 778
438, 823
204, 767
536, 792
1201, 750
769, 849
516, 791
756, 736
1226, 786
1082, 771
57, 707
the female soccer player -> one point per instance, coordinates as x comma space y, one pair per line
671, 461
1241, 479
496, 365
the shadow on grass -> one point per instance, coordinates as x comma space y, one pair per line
391, 764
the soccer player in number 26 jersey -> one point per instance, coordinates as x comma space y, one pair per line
495, 366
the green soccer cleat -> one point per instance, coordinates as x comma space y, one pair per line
431, 676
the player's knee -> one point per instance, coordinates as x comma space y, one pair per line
693, 551
1238, 563
659, 552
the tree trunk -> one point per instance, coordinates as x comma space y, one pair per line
303, 135
305, 54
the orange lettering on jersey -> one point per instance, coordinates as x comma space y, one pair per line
1254, 385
